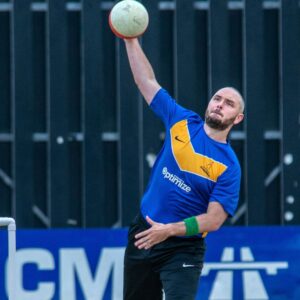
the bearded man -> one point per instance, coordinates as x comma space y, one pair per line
194, 187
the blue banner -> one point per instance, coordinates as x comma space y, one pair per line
240, 263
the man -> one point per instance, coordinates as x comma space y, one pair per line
194, 187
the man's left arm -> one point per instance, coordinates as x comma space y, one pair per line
212, 220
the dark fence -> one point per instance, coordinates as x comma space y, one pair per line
76, 140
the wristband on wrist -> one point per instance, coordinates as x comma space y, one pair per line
191, 225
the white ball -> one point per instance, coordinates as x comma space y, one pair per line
128, 19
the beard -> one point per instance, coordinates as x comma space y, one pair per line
216, 123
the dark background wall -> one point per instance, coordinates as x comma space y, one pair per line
77, 141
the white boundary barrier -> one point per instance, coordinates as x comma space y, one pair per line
11, 226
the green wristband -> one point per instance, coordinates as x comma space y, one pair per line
191, 225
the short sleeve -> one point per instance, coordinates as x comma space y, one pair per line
226, 191
165, 107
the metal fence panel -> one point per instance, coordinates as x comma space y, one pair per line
77, 141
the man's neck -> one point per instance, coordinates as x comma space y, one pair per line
217, 135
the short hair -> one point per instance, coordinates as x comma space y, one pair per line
242, 102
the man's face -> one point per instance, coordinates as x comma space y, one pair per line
224, 110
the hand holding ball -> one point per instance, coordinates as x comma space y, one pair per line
128, 19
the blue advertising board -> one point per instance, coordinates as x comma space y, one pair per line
240, 263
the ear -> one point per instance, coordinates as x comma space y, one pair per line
238, 119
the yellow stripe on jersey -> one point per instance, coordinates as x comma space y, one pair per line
190, 161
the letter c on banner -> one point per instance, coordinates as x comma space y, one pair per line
43, 259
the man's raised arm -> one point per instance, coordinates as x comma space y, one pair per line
141, 69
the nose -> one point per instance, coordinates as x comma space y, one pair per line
220, 104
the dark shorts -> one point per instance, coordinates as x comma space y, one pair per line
173, 266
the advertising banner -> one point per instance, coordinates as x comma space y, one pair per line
240, 263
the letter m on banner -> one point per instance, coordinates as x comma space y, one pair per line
74, 262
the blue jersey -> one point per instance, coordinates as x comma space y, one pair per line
191, 169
